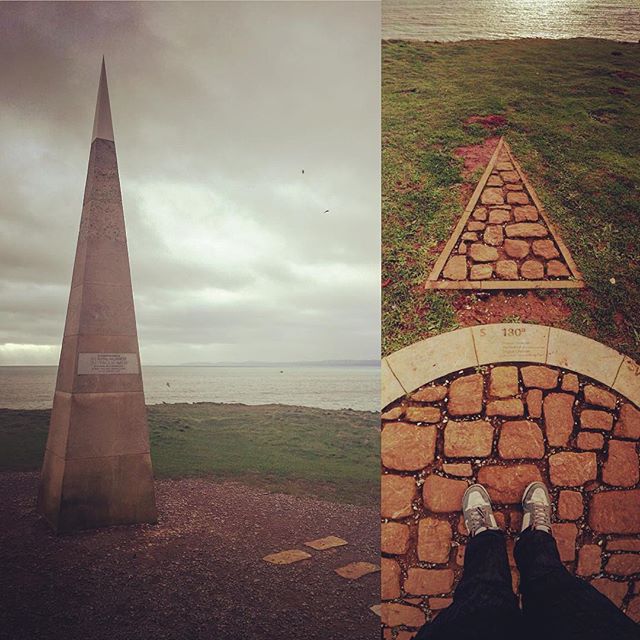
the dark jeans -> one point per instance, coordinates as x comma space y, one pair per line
555, 604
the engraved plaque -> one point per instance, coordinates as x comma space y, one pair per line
107, 363
511, 342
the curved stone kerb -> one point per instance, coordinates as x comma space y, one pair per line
430, 359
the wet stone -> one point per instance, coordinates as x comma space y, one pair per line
499, 216
430, 415
599, 397
456, 268
491, 195
539, 377
532, 270
525, 230
405, 447
465, 395
533, 399
394, 614
510, 408
503, 382
527, 213
463, 469
468, 439
568, 469
595, 419
565, 534
570, 383
506, 484
516, 248
589, 560
628, 424
545, 249
510, 176
389, 579
483, 253
621, 466
520, 439
518, 197
397, 495
434, 540
443, 495
493, 235
556, 269
623, 564
570, 506
393, 414
394, 538
428, 582
615, 511
558, 418
430, 394
589, 441
481, 272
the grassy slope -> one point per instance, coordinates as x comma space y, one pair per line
299, 450
578, 142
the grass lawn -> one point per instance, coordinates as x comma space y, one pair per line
571, 112
332, 454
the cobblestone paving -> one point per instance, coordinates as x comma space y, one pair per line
506, 426
506, 238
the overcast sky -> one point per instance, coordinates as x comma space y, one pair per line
217, 108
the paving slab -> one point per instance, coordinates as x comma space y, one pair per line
355, 570
287, 557
328, 542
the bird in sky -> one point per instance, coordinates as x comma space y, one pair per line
326, 211
303, 171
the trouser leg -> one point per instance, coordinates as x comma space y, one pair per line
484, 606
559, 606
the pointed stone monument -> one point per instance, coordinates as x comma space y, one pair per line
97, 467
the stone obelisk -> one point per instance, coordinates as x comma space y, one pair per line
97, 467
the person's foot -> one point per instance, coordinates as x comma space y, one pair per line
536, 505
477, 511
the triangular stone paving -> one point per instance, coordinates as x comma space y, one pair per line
504, 239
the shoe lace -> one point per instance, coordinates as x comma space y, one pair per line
539, 515
478, 517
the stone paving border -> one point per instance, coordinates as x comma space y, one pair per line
434, 280
430, 359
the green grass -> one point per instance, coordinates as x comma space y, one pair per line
578, 142
331, 454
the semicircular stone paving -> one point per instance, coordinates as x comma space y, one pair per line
505, 426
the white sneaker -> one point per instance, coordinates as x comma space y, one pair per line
536, 505
477, 511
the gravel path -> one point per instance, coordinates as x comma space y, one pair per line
197, 574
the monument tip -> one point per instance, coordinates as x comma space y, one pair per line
102, 126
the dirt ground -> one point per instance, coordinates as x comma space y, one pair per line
196, 574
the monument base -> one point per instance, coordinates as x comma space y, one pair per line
88, 493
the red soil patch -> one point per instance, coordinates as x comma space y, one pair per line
476, 155
626, 75
492, 121
495, 307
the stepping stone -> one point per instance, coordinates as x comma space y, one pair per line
287, 557
377, 609
326, 543
355, 570
504, 219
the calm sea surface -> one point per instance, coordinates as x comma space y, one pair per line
325, 387
490, 19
